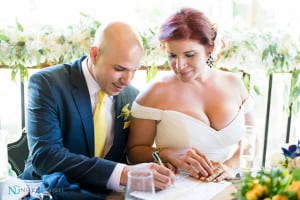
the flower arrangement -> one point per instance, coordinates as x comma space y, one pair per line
22, 48
276, 184
274, 52
288, 159
126, 114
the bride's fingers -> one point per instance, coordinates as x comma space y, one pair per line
197, 167
219, 175
209, 162
186, 166
203, 160
200, 164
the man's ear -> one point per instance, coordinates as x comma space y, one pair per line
94, 54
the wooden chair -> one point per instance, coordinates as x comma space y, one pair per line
17, 153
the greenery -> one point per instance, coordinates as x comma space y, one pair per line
21, 49
280, 182
276, 184
236, 50
275, 52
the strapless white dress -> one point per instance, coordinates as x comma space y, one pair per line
178, 130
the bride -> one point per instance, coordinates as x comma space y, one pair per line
193, 116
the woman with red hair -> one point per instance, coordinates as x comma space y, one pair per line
194, 115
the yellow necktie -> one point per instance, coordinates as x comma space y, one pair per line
100, 124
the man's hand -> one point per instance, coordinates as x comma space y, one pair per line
163, 177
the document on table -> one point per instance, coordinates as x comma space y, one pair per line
186, 187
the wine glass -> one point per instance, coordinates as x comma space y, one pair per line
140, 185
247, 150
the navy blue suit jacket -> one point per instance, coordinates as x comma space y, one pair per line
60, 127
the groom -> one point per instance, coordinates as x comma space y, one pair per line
61, 103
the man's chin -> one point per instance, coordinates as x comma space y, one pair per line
115, 91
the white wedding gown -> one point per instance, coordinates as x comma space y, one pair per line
176, 129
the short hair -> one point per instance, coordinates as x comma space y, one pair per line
188, 23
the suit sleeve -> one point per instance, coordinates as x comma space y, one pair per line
47, 132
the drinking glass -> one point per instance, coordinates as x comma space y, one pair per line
247, 150
140, 185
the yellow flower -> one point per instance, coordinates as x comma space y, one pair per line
251, 195
280, 197
126, 124
276, 184
126, 114
256, 192
295, 187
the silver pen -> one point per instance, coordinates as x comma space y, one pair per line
157, 158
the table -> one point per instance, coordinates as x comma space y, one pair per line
224, 195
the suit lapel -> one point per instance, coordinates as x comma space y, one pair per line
82, 100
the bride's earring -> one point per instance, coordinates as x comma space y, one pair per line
210, 61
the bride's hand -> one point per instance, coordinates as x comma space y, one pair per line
190, 160
220, 173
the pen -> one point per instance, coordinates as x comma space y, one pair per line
157, 158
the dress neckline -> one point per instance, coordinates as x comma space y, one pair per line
197, 120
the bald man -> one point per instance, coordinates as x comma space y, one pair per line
61, 103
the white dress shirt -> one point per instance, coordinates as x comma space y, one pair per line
93, 87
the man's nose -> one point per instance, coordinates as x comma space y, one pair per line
126, 78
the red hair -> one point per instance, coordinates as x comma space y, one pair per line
189, 23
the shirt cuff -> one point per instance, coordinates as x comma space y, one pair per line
114, 179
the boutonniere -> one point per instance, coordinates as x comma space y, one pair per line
126, 114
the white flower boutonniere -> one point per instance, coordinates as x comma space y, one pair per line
126, 114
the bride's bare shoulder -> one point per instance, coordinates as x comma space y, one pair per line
234, 81
155, 89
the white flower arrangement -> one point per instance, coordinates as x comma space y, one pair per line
236, 49
43, 46
289, 158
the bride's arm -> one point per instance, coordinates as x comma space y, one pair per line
141, 140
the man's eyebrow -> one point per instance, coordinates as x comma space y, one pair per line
119, 66
122, 67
